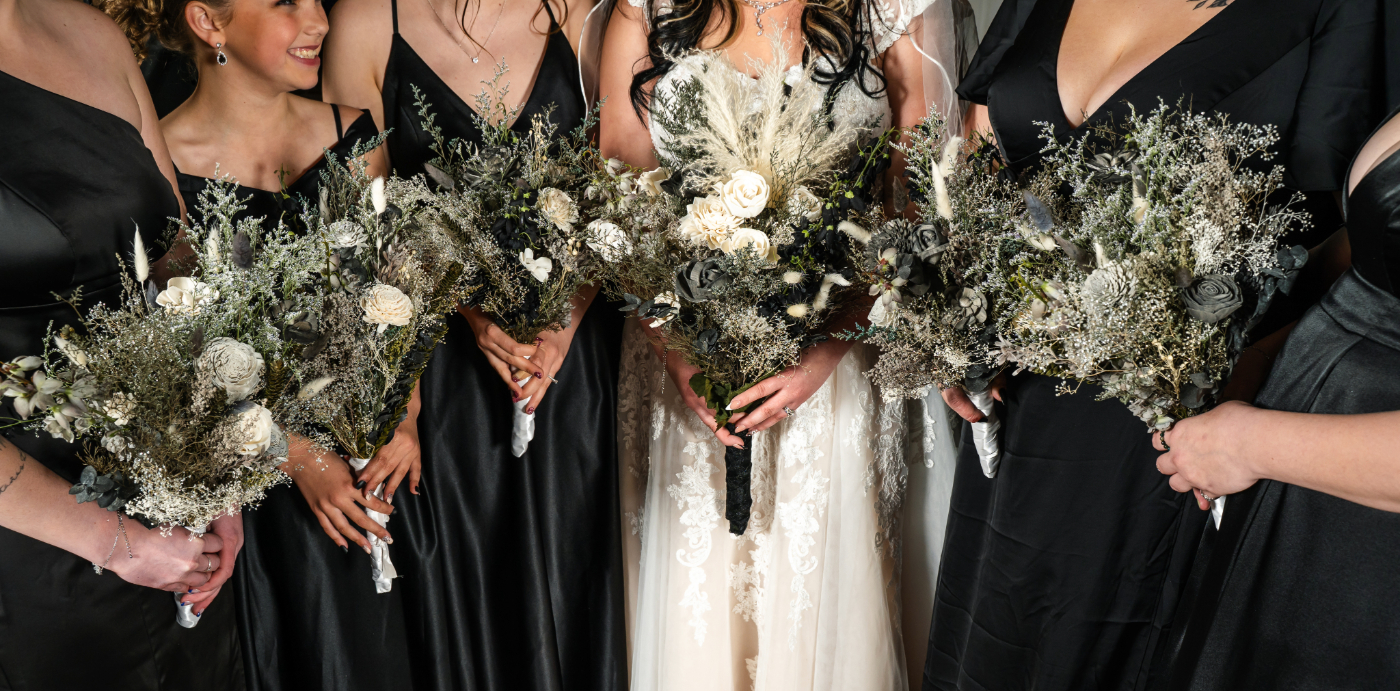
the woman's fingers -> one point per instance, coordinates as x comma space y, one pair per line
957, 399
338, 519
212, 542
755, 418
1166, 465
1180, 484
503, 371
378, 469
391, 484
415, 474
331, 532
372, 502
759, 390
363, 520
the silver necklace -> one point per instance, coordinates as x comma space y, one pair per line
475, 58
759, 8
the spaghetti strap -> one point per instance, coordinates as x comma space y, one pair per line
339, 130
552, 21
394, 10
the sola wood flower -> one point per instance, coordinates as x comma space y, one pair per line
745, 194
708, 222
386, 306
236, 368
184, 295
609, 240
558, 208
539, 267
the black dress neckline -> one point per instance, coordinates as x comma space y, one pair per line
1348, 191
1167, 56
73, 101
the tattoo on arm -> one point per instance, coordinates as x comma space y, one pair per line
1209, 4
23, 461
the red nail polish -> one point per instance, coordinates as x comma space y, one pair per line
514, 396
539, 375
531, 411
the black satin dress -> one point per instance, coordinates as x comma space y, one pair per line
511, 567
1064, 572
308, 614
285, 205
75, 183
1300, 591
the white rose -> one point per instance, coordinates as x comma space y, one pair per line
558, 208
255, 424
185, 295
745, 194
650, 181
609, 240
539, 267
748, 237
386, 305
234, 367
802, 202
883, 314
708, 222
120, 407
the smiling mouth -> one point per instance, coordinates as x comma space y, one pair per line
306, 53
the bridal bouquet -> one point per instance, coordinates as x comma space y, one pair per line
388, 282
766, 193
513, 206
938, 312
1147, 279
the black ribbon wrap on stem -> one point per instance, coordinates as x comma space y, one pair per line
738, 473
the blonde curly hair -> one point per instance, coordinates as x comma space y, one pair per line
163, 19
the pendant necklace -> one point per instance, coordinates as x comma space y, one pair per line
475, 58
759, 8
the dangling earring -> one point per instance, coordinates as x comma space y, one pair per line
222, 59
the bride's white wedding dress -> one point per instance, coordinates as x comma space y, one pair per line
809, 597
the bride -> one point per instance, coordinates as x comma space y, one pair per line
809, 596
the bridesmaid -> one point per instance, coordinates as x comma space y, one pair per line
1299, 592
1064, 572
309, 613
512, 566
82, 166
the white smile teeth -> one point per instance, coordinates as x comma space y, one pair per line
305, 53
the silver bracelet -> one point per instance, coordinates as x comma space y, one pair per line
121, 533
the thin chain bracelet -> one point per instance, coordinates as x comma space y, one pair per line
121, 533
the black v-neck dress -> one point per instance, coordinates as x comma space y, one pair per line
511, 567
75, 184
308, 614
1064, 571
1300, 590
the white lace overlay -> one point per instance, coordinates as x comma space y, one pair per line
808, 597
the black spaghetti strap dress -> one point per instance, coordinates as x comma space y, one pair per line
511, 567
75, 184
308, 614
1064, 572
285, 205
1300, 589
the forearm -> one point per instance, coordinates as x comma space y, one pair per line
35, 502
1355, 457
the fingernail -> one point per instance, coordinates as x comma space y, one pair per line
389, 498
530, 411
539, 375
366, 548
539, 340
191, 590
361, 484
389, 539
514, 396
346, 548
199, 614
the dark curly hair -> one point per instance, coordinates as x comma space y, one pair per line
837, 29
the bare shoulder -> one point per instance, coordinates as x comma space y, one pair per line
362, 20
89, 29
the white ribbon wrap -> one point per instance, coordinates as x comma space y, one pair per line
522, 429
986, 435
1217, 510
381, 568
184, 614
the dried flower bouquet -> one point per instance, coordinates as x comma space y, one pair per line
1147, 278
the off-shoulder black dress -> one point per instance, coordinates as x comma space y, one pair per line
1064, 571
1300, 591
511, 568
75, 184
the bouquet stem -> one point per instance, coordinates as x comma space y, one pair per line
986, 435
738, 472
522, 429
381, 568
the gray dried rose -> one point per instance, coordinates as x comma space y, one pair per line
698, 280
1212, 297
927, 242
1110, 285
970, 311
